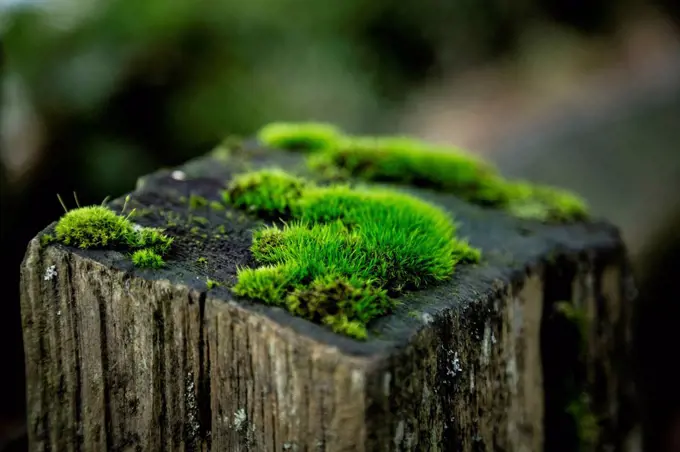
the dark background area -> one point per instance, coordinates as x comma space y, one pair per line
583, 94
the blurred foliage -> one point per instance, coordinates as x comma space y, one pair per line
229, 66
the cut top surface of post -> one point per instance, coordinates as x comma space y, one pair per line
212, 241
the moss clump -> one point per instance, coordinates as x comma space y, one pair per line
101, 227
202, 261
346, 250
211, 284
309, 136
271, 191
147, 258
407, 160
216, 205
93, 227
47, 239
196, 202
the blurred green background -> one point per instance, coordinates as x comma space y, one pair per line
96, 93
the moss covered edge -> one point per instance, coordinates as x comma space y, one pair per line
406, 160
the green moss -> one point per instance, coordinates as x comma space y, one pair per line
270, 191
579, 406
310, 136
147, 258
217, 206
211, 284
200, 220
196, 202
93, 227
344, 249
100, 227
587, 423
47, 239
406, 160
202, 261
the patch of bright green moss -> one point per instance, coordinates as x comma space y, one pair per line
211, 284
46, 239
101, 227
344, 249
272, 191
406, 160
309, 136
196, 202
147, 258
93, 227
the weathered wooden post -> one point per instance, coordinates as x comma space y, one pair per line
524, 351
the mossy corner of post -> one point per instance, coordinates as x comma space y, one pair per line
342, 254
99, 227
406, 160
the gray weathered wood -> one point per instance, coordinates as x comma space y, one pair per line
123, 359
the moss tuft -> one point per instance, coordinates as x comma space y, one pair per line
147, 258
345, 249
269, 191
217, 206
93, 227
152, 238
406, 160
211, 284
100, 227
196, 202
310, 136
47, 239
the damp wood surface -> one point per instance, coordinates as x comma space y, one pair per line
120, 359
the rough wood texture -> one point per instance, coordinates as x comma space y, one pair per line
122, 359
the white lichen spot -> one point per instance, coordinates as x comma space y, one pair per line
290, 446
486, 345
357, 379
178, 175
472, 380
399, 433
240, 420
456, 363
426, 392
426, 318
50, 272
136, 227
58, 313
493, 339
456, 366
511, 371
387, 380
